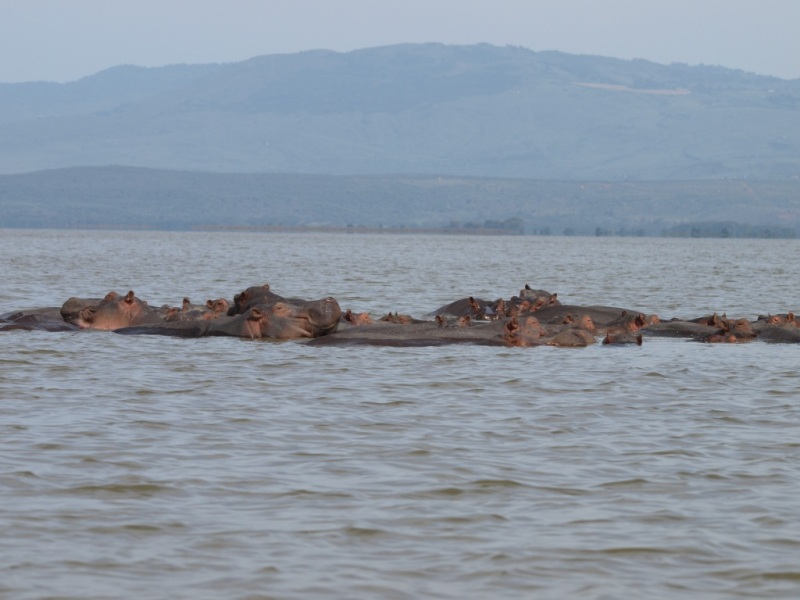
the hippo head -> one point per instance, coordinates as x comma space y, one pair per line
285, 320
218, 307
252, 296
361, 318
112, 312
522, 332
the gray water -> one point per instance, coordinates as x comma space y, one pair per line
154, 467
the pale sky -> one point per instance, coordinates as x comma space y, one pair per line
64, 40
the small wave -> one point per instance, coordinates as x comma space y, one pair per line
635, 482
131, 490
363, 531
635, 550
311, 494
782, 575
497, 483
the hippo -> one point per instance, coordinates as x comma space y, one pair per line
192, 312
736, 331
252, 296
38, 319
524, 332
786, 333
279, 320
112, 312
443, 321
356, 319
622, 339
71, 309
681, 329
528, 331
438, 332
765, 321
528, 301
461, 330
470, 306
711, 328
400, 319
537, 298
216, 308
599, 320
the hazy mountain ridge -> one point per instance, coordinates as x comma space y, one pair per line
405, 136
454, 110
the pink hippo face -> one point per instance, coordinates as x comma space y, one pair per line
523, 332
285, 320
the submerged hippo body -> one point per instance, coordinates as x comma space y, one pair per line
601, 316
780, 334
427, 333
442, 331
463, 307
621, 339
37, 319
681, 329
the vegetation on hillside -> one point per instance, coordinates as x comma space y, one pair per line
124, 197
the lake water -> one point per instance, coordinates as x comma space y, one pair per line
150, 467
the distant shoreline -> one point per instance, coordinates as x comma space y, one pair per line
684, 231
357, 229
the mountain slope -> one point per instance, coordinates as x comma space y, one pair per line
427, 109
125, 197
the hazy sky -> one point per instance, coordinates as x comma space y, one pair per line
63, 40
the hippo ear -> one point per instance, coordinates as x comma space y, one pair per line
111, 296
440, 320
129, 297
527, 286
209, 303
790, 317
512, 325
